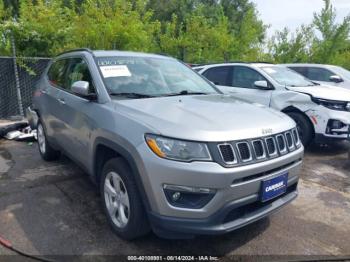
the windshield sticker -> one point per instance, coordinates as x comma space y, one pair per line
115, 71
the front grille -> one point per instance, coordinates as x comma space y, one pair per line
244, 152
259, 149
281, 143
296, 137
271, 146
289, 140
227, 153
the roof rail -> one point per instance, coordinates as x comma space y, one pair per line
224, 62
76, 50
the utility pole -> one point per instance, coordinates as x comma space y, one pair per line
18, 89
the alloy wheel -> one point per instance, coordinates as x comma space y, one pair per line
41, 139
117, 199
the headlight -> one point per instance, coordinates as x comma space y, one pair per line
179, 150
332, 104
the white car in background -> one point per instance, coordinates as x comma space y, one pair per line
322, 113
323, 74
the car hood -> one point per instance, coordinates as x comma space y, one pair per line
205, 117
324, 92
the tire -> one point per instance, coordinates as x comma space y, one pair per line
46, 151
122, 203
304, 126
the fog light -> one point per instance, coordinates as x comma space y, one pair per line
188, 197
176, 196
336, 124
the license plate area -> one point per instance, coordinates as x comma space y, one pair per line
274, 187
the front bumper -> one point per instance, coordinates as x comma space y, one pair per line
237, 189
321, 117
232, 216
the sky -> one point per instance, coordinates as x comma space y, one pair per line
293, 13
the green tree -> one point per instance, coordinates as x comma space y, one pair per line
113, 25
334, 38
287, 47
41, 29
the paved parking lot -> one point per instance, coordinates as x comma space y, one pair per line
53, 209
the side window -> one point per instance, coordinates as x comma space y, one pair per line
245, 77
300, 70
57, 72
319, 74
218, 75
78, 71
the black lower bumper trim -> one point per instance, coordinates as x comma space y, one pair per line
219, 223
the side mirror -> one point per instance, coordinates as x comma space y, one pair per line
81, 88
262, 85
336, 79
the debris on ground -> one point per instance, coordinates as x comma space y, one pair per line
19, 131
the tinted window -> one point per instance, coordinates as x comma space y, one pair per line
300, 70
319, 74
56, 72
218, 75
245, 77
78, 71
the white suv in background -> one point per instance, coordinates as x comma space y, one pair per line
323, 74
321, 112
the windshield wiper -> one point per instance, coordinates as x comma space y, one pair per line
131, 95
185, 93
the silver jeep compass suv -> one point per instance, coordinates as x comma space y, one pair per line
168, 150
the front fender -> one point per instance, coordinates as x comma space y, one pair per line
283, 99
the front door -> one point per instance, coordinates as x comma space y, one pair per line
241, 85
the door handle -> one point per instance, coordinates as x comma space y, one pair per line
61, 101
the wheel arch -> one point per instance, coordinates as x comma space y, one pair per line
104, 150
293, 109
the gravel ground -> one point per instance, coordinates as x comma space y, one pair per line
53, 209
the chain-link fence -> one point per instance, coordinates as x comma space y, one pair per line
29, 71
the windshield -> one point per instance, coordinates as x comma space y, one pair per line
342, 72
287, 77
144, 77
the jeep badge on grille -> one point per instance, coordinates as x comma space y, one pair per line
266, 131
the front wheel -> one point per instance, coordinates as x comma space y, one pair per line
304, 127
46, 151
121, 200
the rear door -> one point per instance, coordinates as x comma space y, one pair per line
220, 76
50, 105
75, 112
